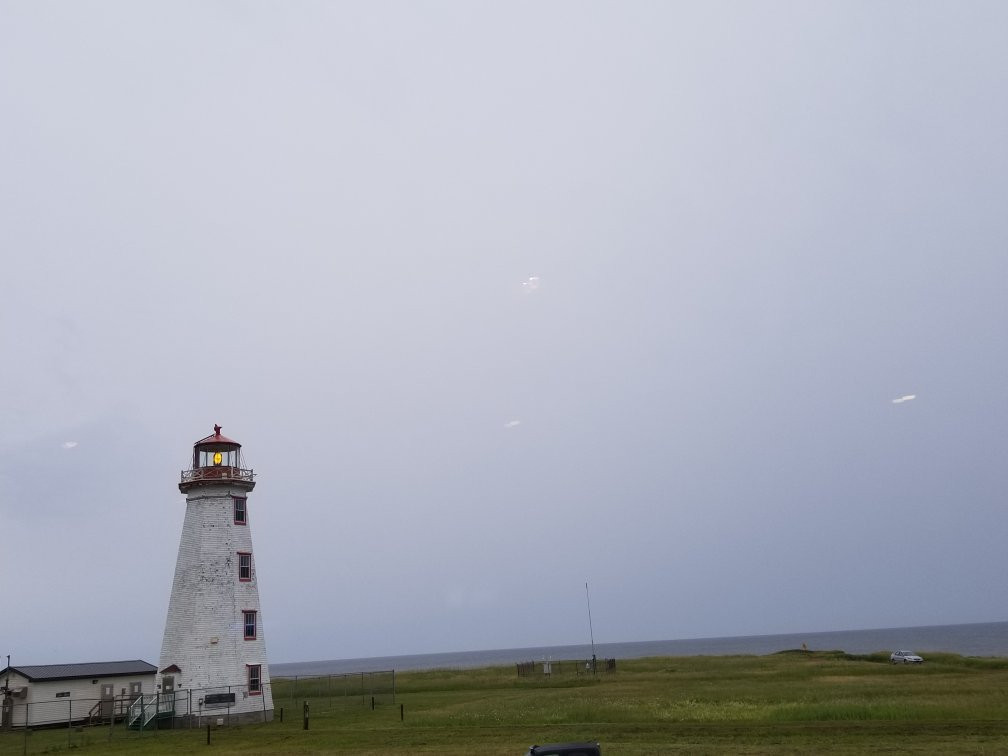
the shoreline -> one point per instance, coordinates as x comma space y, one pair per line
989, 639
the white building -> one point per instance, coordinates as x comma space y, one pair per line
46, 694
214, 653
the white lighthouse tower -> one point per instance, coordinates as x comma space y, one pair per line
213, 645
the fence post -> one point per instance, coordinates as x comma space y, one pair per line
262, 695
69, 719
306, 715
393, 686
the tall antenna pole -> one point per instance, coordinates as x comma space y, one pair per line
591, 632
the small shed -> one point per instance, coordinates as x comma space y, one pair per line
46, 694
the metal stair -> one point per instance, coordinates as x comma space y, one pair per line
147, 709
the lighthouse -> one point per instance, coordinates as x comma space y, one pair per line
213, 655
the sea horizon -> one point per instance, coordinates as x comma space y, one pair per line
968, 639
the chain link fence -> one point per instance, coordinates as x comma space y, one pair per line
548, 667
47, 726
36, 727
340, 690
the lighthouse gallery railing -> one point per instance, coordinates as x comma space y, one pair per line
221, 472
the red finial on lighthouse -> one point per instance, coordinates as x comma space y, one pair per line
216, 430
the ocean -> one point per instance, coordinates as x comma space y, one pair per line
977, 639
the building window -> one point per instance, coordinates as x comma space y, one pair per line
244, 566
240, 516
250, 625
255, 679
65, 694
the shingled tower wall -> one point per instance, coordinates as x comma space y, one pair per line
214, 644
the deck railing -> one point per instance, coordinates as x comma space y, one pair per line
110, 708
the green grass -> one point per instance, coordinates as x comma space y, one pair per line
792, 702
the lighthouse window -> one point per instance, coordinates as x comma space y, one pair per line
250, 625
244, 566
255, 679
239, 510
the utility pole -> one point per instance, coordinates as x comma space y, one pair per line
7, 706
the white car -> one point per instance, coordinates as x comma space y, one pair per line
906, 657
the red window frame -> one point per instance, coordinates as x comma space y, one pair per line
244, 510
247, 569
254, 679
250, 619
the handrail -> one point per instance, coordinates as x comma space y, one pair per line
131, 715
148, 706
217, 473
95, 712
116, 707
152, 713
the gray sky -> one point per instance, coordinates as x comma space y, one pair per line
500, 298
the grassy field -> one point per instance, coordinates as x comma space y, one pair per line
793, 702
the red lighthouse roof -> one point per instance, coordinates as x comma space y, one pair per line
216, 438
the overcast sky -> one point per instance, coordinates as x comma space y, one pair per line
501, 298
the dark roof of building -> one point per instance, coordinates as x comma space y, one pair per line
88, 669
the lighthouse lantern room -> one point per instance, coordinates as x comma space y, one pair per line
216, 457
213, 645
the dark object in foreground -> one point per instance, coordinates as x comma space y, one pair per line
566, 749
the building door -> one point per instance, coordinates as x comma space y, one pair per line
107, 699
136, 689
